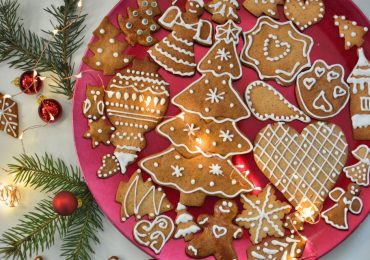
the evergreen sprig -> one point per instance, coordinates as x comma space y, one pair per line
25, 50
37, 230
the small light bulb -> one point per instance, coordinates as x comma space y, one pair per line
79, 4
79, 75
55, 32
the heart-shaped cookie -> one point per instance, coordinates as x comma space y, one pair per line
304, 167
154, 234
304, 13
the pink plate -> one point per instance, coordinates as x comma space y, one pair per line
328, 46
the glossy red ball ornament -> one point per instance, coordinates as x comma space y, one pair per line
50, 110
30, 82
65, 203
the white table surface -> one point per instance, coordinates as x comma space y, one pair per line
58, 140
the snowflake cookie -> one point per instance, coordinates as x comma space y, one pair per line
263, 214
276, 50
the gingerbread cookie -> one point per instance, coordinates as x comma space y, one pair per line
136, 100
321, 91
359, 173
186, 226
196, 176
304, 13
352, 33
337, 215
304, 167
223, 10
175, 53
109, 167
263, 214
9, 120
218, 233
108, 50
99, 132
141, 198
359, 81
265, 103
294, 222
287, 248
263, 7
276, 50
93, 106
154, 234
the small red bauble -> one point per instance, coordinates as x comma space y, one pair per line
65, 203
30, 82
50, 110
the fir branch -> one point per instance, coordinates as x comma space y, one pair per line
82, 231
34, 233
37, 229
46, 173
25, 50
66, 43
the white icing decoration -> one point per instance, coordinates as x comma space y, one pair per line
309, 83
219, 231
359, 173
164, 223
215, 97
203, 221
7, 116
124, 159
322, 103
360, 121
177, 171
226, 136
193, 249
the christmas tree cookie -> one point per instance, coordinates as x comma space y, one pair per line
352, 33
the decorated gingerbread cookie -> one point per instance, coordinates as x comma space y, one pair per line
223, 10
139, 198
359, 173
175, 53
304, 167
263, 7
99, 131
321, 91
9, 121
108, 50
276, 50
109, 167
185, 225
93, 106
265, 103
136, 100
263, 214
218, 233
359, 81
287, 248
304, 13
352, 33
154, 234
345, 201
195, 175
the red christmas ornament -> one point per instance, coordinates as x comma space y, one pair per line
50, 110
30, 82
65, 203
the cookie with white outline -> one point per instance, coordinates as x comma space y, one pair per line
265, 103
276, 50
263, 7
99, 132
352, 33
321, 91
304, 13
359, 173
110, 166
93, 106
223, 10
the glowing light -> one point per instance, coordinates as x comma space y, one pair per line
55, 32
20, 136
79, 75
10, 195
307, 213
240, 166
79, 4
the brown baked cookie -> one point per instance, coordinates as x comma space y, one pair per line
154, 234
287, 248
218, 233
263, 7
321, 91
185, 225
346, 201
304, 13
359, 81
99, 132
9, 120
93, 106
140, 198
276, 50
108, 50
263, 214
110, 166
223, 10
352, 33
359, 173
